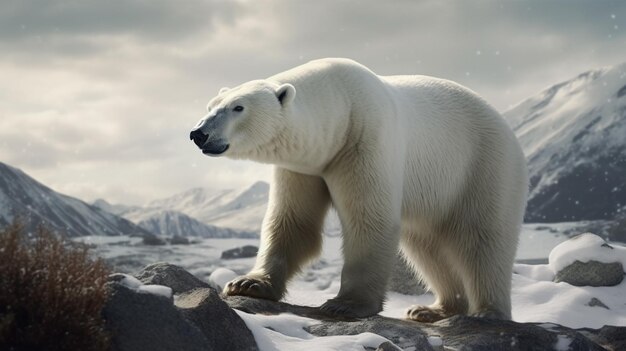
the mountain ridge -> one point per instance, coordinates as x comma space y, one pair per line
574, 138
34, 203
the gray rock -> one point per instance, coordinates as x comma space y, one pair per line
387, 346
403, 279
218, 322
456, 333
151, 239
592, 273
197, 320
610, 337
594, 302
240, 252
175, 277
140, 321
179, 240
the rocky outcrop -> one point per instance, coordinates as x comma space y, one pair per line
591, 273
197, 318
456, 333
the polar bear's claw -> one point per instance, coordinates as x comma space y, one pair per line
426, 314
253, 287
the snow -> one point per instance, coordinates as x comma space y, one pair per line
562, 343
435, 341
584, 248
236, 209
158, 290
220, 277
135, 284
286, 332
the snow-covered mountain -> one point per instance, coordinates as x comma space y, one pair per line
164, 222
574, 138
115, 209
237, 209
35, 203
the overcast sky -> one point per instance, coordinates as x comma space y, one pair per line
97, 97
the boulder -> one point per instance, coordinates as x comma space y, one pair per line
587, 260
142, 321
195, 319
218, 322
151, 239
175, 277
240, 252
591, 273
179, 240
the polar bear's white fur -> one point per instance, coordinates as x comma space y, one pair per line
408, 161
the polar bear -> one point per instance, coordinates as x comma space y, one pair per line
410, 162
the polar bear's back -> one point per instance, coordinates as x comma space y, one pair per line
449, 130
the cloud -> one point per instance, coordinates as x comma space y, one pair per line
150, 20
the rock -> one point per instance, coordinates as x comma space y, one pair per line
151, 239
587, 260
240, 252
455, 333
387, 346
591, 273
197, 320
610, 337
403, 279
175, 277
596, 302
139, 321
218, 322
179, 240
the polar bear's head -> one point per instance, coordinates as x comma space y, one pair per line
243, 119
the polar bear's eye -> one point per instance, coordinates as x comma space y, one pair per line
238, 108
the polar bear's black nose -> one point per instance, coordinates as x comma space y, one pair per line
198, 137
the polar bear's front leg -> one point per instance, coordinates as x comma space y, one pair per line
370, 216
291, 235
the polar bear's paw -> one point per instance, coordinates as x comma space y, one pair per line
350, 308
427, 314
251, 286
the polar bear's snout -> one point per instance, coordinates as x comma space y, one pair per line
198, 137
209, 146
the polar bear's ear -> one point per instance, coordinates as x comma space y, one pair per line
285, 94
223, 90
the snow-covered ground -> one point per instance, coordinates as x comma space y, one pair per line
535, 297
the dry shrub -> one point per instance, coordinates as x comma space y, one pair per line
51, 294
